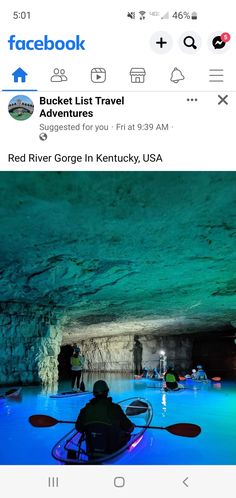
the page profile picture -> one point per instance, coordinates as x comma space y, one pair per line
20, 107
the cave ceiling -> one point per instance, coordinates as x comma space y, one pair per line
121, 252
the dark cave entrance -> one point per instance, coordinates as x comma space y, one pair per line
64, 362
216, 353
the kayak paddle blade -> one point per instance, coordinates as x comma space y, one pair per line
42, 421
184, 430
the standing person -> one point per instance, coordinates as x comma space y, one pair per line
155, 374
75, 348
138, 355
77, 364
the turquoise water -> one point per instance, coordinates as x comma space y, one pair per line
212, 406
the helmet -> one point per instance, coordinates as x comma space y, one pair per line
199, 366
193, 370
100, 387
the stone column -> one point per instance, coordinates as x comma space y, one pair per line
30, 340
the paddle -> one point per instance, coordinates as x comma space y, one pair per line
82, 385
185, 430
46, 421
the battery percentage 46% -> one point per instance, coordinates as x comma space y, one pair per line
181, 15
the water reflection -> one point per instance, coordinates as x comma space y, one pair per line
163, 405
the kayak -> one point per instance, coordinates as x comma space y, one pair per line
11, 393
205, 381
70, 394
194, 382
147, 379
71, 449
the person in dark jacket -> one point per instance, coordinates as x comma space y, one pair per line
101, 409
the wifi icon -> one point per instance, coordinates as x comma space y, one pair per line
142, 15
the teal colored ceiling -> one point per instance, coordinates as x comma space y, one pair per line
119, 249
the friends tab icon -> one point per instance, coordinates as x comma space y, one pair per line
58, 76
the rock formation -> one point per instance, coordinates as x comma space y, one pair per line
101, 256
114, 354
30, 344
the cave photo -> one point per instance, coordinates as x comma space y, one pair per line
117, 314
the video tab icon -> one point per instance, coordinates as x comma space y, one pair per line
98, 75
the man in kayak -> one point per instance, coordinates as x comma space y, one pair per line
171, 379
145, 373
116, 428
201, 374
77, 364
194, 374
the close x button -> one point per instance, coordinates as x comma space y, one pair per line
223, 99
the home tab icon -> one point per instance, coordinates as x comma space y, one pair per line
137, 74
19, 74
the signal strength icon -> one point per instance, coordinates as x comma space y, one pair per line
166, 16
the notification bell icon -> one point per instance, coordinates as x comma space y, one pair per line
176, 75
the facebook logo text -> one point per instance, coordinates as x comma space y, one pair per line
46, 44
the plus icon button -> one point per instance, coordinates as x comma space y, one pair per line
161, 42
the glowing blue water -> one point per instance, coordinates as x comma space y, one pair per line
212, 406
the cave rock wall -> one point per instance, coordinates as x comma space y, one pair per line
115, 354
30, 344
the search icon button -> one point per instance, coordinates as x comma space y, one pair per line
189, 42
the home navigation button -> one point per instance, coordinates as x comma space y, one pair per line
119, 482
